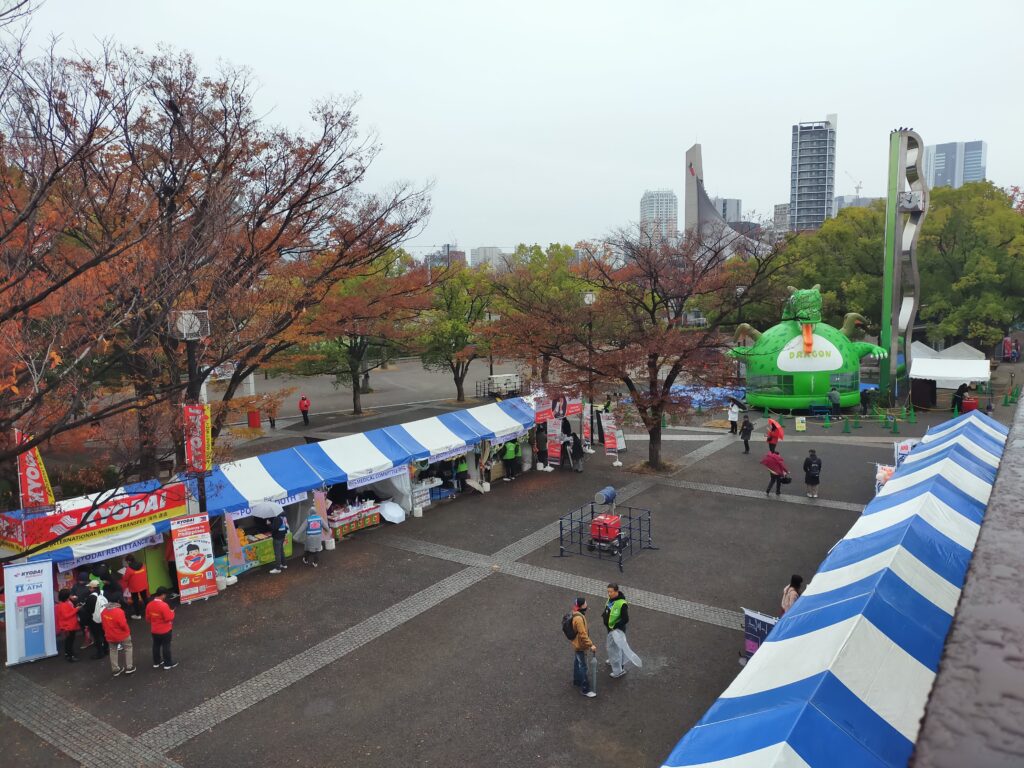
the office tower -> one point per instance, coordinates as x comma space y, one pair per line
812, 174
730, 208
852, 201
780, 221
445, 256
659, 213
955, 163
487, 254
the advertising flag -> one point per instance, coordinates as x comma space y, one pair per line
611, 443
756, 627
198, 437
555, 443
193, 556
31, 630
33, 481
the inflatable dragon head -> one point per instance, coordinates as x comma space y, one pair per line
804, 307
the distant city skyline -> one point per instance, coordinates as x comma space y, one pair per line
513, 144
955, 163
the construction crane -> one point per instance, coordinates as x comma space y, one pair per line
856, 184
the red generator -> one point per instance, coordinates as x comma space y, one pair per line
606, 533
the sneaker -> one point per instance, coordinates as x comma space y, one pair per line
620, 674
810, 495
275, 570
157, 666
170, 666
130, 670
507, 479
590, 694
87, 645
316, 565
136, 616
118, 671
306, 562
283, 566
71, 658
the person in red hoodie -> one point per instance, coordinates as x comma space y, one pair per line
67, 622
776, 472
161, 621
137, 581
304, 405
115, 629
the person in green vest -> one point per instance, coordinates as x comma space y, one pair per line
461, 473
508, 458
518, 463
615, 618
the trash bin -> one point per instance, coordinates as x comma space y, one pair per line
254, 419
970, 404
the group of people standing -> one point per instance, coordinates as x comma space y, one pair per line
97, 606
615, 618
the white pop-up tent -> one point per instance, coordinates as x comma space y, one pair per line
950, 373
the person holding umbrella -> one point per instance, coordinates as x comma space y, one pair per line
274, 515
777, 472
734, 417
774, 434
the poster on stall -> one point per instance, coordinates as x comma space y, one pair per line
587, 437
33, 482
28, 595
882, 474
902, 449
193, 556
555, 443
756, 626
198, 439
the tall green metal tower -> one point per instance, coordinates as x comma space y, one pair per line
907, 204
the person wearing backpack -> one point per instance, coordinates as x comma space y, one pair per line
574, 626
116, 631
90, 614
615, 618
812, 474
311, 534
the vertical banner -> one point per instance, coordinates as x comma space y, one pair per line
902, 449
555, 442
193, 555
756, 627
33, 482
28, 594
611, 442
587, 437
198, 442
235, 554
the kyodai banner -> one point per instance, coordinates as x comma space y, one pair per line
193, 557
33, 482
122, 512
198, 438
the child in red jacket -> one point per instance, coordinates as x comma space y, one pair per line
66, 612
115, 629
161, 622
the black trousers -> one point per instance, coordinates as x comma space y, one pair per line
139, 600
733, 426
771, 447
162, 649
305, 418
746, 445
102, 647
775, 480
69, 644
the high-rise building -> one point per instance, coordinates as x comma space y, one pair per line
851, 201
730, 208
445, 256
780, 221
813, 173
955, 163
487, 254
659, 213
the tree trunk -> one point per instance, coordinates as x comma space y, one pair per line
357, 402
654, 445
459, 388
354, 365
148, 464
545, 369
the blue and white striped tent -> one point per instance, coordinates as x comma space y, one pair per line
844, 677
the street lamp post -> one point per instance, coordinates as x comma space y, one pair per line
589, 298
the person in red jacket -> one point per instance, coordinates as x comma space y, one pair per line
67, 622
161, 621
115, 629
304, 404
776, 472
137, 581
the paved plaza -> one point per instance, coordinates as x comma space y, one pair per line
437, 642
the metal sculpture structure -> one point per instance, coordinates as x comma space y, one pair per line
906, 207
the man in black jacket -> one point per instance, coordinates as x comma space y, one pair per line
615, 618
85, 618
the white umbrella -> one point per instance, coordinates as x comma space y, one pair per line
266, 509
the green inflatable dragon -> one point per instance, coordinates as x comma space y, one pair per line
794, 364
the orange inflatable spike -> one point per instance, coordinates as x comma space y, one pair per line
808, 338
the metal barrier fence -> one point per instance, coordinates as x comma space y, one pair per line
580, 534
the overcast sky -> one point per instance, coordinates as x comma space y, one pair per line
546, 121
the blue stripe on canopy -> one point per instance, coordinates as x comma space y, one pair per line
519, 410
391, 448
290, 471
408, 443
322, 464
837, 630
471, 424
463, 429
965, 419
221, 495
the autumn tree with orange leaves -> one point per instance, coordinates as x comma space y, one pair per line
637, 332
132, 186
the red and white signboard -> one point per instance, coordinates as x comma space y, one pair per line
555, 442
611, 444
122, 512
193, 556
587, 437
32, 479
198, 438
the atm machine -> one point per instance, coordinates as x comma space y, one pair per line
33, 626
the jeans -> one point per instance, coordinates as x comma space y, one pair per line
580, 673
279, 552
835, 409
162, 649
305, 418
775, 480
129, 651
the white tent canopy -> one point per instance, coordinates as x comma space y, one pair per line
919, 351
949, 373
962, 351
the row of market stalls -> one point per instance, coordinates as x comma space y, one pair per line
387, 472
844, 676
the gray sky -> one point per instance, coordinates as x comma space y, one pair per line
546, 121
